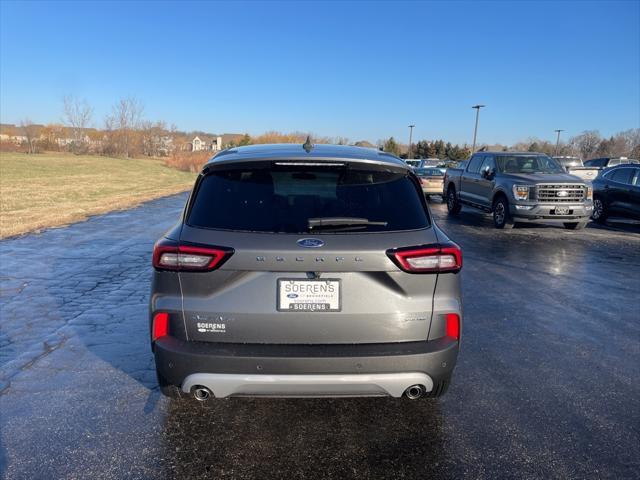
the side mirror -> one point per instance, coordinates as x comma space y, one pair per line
487, 172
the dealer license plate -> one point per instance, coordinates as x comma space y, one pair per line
562, 211
296, 295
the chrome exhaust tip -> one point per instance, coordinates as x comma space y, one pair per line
414, 392
202, 394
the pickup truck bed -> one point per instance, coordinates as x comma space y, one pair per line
588, 174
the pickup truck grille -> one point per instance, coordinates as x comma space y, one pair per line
570, 193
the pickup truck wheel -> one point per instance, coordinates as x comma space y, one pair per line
168, 390
453, 206
501, 215
599, 210
575, 225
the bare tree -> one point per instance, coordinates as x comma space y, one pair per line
30, 132
587, 143
126, 117
631, 140
77, 115
52, 136
155, 138
109, 141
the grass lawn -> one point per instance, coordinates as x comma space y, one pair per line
52, 189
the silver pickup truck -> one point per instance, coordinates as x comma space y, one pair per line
574, 166
519, 187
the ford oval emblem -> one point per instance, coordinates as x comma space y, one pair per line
310, 242
292, 295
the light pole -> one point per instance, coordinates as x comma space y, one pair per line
410, 155
475, 131
558, 140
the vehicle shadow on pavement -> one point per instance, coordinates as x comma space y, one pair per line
304, 438
473, 218
618, 225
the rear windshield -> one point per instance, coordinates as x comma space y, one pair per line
571, 162
283, 199
429, 172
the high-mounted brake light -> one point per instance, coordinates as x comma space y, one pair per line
168, 255
310, 164
452, 327
428, 259
160, 325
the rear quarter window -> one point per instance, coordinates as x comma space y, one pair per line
284, 199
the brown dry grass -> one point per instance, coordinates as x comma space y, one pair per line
188, 161
54, 189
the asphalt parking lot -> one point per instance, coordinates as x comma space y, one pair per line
547, 384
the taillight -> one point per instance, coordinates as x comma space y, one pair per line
160, 326
428, 259
452, 328
168, 255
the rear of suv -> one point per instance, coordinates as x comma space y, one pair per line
305, 271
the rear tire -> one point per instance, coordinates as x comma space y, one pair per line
439, 388
167, 389
453, 205
575, 225
599, 210
501, 215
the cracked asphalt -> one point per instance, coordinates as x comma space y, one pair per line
547, 384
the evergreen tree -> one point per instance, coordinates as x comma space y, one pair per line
245, 140
431, 150
447, 150
391, 146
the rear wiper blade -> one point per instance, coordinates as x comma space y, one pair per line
341, 222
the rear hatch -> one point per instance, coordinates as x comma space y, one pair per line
307, 257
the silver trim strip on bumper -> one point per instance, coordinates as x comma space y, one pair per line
330, 385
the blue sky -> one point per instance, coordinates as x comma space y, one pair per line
360, 70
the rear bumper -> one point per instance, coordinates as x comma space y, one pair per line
305, 370
432, 190
370, 385
545, 213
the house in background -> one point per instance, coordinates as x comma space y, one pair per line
13, 134
200, 143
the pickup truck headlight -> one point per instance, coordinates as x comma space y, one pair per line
589, 193
521, 192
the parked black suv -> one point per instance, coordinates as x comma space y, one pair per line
616, 192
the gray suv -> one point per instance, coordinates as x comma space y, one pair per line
300, 270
